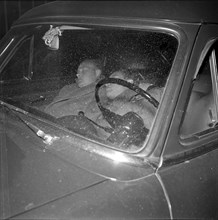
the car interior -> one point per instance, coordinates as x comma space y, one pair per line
199, 115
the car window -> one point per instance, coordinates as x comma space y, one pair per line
17, 67
201, 113
102, 83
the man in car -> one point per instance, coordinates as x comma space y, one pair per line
75, 97
121, 100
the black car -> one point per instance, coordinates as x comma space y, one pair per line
72, 151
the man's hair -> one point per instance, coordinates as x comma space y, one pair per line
96, 62
130, 74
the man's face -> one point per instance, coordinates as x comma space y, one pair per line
114, 90
86, 74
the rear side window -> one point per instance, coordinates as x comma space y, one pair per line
201, 112
18, 65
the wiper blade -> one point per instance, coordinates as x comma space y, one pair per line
47, 138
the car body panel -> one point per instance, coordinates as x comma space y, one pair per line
198, 154
36, 173
192, 193
32, 176
158, 10
109, 200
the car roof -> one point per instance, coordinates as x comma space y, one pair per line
181, 11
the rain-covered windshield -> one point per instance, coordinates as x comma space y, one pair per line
102, 83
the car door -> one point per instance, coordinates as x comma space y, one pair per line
190, 169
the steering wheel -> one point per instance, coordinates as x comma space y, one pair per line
111, 117
129, 128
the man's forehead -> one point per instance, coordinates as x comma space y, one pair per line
87, 64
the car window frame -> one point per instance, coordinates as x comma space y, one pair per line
13, 53
176, 149
213, 66
14, 45
184, 39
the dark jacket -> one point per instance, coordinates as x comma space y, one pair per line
77, 99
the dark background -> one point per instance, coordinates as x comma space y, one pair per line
12, 10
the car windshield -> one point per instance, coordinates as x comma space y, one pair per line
104, 84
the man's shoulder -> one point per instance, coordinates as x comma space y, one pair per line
64, 91
68, 88
73, 91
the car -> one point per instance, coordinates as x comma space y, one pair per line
148, 152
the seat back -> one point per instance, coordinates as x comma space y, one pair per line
199, 113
